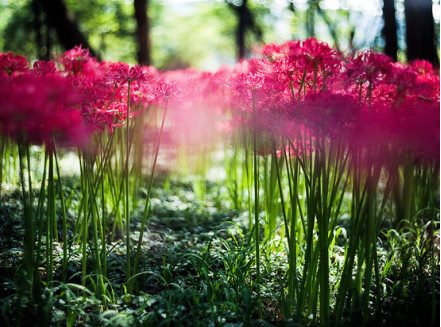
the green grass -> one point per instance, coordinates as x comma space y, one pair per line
197, 267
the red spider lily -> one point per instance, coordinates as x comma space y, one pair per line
104, 92
328, 113
403, 77
78, 61
297, 87
427, 81
97, 97
197, 105
307, 64
254, 86
422, 67
165, 90
37, 109
121, 73
315, 55
11, 63
415, 128
43, 67
368, 66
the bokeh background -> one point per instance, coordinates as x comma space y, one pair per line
206, 34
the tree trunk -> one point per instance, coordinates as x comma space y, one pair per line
37, 27
390, 29
420, 31
142, 32
245, 22
310, 19
64, 25
241, 28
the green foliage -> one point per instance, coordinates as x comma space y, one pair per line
197, 266
198, 34
109, 25
16, 28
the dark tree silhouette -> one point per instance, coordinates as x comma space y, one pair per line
242, 23
313, 9
390, 29
245, 22
58, 18
38, 28
420, 31
291, 6
310, 18
142, 32
330, 25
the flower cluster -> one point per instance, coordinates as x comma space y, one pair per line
68, 99
36, 108
365, 99
297, 87
199, 105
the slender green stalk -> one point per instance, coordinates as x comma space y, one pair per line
40, 219
64, 219
248, 179
126, 179
3, 158
291, 237
147, 200
103, 229
322, 223
84, 223
256, 208
293, 180
51, 218
100, 290
28, 224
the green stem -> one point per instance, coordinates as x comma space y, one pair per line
256, 207
85, 223
64, 222
51, 218
147, 200
291, 238
28, 224
126, 178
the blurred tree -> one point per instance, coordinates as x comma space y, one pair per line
109, 25
329, 24
142, 32
420, 31
291, 6
245, 22
193, 33
201, 35
310, 18
390, 29
312, 10
68, 32
17, 28
36, 10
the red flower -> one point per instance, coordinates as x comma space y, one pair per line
37, 109
121, 73
328, 113
11, 63
368, 66
43, 67
422, 67
77, 60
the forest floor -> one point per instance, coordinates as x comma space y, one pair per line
197, 269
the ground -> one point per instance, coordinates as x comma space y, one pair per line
197, 269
